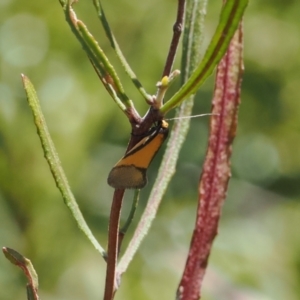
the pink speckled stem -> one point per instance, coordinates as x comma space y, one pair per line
216, 170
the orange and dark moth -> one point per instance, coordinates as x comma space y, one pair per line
130, 171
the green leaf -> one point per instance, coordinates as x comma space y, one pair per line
25, 264
55, 164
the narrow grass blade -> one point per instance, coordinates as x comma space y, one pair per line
115, 46
99, 60
55, 164
230, 17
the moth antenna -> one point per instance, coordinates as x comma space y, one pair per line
190, 117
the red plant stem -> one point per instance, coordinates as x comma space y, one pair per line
177, 30
113, 249
216, 170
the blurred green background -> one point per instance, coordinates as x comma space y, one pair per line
256, 255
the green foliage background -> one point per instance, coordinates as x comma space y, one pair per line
256, 255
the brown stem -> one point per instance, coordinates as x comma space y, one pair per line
177, 29
113, 249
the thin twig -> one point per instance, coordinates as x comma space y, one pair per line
177, 29
125, 227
